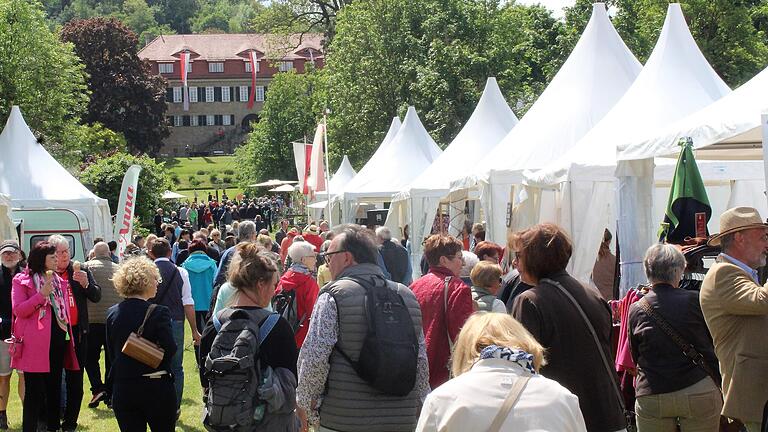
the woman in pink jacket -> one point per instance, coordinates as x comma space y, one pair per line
41, 321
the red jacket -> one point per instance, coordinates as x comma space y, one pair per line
306, 290
437, 324
315, 240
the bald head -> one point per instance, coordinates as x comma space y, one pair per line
101, 250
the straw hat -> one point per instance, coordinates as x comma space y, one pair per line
737, 219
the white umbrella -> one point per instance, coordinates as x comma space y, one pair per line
172, 195
283, 188
273, 182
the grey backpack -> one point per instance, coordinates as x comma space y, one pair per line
234, 372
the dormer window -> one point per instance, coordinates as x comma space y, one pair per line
285, 66
248, 66
165, 68
217, 67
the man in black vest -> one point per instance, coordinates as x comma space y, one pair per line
395, 257
175, 292
12, 264
349, 402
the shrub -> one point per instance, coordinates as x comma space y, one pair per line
229, 172
213, 178
200, 172
227, 180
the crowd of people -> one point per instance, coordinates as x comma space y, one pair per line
323, 329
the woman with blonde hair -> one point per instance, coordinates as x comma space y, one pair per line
497, 385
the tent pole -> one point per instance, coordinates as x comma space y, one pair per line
326, 173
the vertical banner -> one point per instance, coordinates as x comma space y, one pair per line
125, 209
764, 123
317, 162
302, 153
254, 65
184, 60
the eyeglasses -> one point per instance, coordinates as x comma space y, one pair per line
327, 255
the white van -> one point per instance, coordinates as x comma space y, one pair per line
35, 225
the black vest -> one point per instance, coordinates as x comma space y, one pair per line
169, 291
396, 259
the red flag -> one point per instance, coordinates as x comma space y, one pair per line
307, 164
254, 64
184, 69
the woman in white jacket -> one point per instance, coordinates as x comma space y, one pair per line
497, 386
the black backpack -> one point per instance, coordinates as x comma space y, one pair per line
234, 372
390, 349
284, 303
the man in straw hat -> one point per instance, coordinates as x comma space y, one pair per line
735, 307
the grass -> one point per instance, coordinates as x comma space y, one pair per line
103, 419
201, 169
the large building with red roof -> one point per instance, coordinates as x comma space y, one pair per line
220, 83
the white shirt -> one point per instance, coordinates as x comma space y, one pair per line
471, 401
186, 287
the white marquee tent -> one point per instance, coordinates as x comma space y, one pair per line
676, 81
597, 73
34, 179
396, 163
417, 204
336, 184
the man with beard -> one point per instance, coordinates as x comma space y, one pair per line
12, 264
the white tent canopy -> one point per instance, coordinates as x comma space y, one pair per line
676, 81
34, 179
731, 124
417, 204
597, 73
339, 179
394, 165
171, 195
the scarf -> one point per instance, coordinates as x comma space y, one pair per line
520, 357
300, 268
56, 299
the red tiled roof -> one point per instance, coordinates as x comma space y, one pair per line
233, 46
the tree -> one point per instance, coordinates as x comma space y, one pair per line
213, 17
141, 18
290, 114
125, 96
176, 13
41, 75
95, 141
106, 178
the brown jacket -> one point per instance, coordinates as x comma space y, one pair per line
736, 311
573, 359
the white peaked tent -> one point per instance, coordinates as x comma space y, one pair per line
676, 81
34, 179
726, 129
394, 165
336, 184
417, 204
596, 74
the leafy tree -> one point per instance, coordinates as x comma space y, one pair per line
176, 13
213, 17
289, 114
41, 75
125, 96
141, 18
106, 178
96, 140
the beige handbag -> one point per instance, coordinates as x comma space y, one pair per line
142, 350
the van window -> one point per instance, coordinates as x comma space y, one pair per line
70, 239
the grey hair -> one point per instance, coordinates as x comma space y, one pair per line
58, 240
246, 231
299, 250
470, 261
664, 263
384, 233
101, 249
726, 241
359, 242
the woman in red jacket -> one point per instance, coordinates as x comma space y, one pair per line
300, 279
446, 302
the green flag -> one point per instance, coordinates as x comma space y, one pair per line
688, 209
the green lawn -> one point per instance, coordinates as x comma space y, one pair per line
191, 169
103, 419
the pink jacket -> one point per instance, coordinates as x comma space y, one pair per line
37, 341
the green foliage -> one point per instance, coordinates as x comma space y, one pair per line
290, 113
229, 172
95, 140
106, 176
125, 96
142, 19
41, 75
201, 172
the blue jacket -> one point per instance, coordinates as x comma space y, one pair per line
202, 271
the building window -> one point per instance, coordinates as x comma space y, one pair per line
243, 93
177, 91
209, 120
215, 67
194, 120
260, 93
209, 94
285, 66
185, 121
248, 66
193, 94
165, 68
177, 121
226, 120
225, 94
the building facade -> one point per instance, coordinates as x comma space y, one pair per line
219, 84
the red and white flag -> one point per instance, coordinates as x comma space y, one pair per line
184, 61
254, 64
302, 152
317, 162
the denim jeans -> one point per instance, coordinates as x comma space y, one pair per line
696, 408
177, 361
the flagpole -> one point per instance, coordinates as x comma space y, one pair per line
327, 176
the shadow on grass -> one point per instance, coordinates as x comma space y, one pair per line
208, 160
